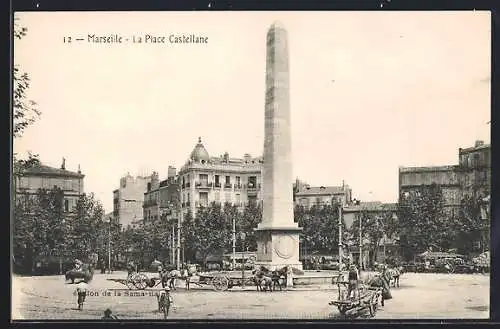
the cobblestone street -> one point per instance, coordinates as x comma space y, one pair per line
428, 296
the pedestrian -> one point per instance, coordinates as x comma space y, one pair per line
353, 278
78, 264
81, 292
108, 315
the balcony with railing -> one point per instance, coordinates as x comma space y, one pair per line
217, 184
238, 186
252, 189
228, 186
203, 185
150, 203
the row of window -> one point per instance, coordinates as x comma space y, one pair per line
475, 159
203, 178
203, 197
48, 183
318, 201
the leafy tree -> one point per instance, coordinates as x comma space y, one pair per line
188, 233
213, 231
423, 220
20, 165
320, 226
82, 237
249, 220
469, 225
25, 111
375, 225
28, 233
39, 226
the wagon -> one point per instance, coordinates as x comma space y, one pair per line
222, 281
86, 273
367, 298
138, 281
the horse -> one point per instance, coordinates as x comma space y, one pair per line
393, 275
168, 278
262, 280
279, 278
378, 281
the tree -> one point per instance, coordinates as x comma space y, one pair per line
375, 225
249, 220
25, 111
319, 226
89, 216
423, 220
39, 226
470, 227
213, 231
189, 236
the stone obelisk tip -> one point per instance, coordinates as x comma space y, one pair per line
278, 24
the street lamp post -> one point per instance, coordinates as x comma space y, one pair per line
340, 237
234, 244
243, 236
179, 223
360, 244
172, 244
109, 246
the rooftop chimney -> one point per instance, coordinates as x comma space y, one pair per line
63, 165
479, 143
171, 172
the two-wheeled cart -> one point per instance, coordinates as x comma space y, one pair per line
365, 298
138, 281
222, 281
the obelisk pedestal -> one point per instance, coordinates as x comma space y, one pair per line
277, 234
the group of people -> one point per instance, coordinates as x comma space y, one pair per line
382, 280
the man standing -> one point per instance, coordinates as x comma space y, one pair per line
353, 278
81, 292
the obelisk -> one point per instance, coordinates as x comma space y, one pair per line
277, 234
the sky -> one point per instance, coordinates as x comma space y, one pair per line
369, 92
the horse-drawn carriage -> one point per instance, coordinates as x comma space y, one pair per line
85, 272
366, 297
138, 281
263, 279
222, 281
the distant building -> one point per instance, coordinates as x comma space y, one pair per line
128, 199
475, 165
45, 177
375, 208
161, 197
471, 175
387, 246
307, 196
204, 179
447, 177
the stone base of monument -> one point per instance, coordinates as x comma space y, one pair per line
278, 247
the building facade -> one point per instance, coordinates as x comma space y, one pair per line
307, 196
388, 246
161, 197
472, 175
448, 177
128, 199
205, 179
46, 177
475, 166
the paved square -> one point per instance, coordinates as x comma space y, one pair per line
429, 296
